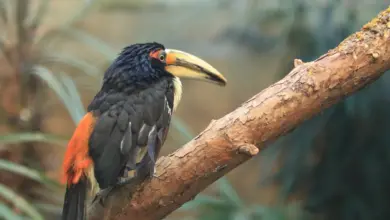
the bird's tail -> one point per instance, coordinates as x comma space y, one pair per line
74, 202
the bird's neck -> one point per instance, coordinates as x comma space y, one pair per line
133, 87
172, 85
130, 85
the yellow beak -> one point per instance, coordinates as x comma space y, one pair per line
185, 65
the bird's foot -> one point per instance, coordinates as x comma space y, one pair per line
154, 174
125, 180
102, 196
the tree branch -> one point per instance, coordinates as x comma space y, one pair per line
228, 142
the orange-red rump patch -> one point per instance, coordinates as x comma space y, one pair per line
76, 160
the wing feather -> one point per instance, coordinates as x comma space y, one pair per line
129, 135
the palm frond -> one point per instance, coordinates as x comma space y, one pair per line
19, 202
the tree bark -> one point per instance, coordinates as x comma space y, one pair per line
228, 142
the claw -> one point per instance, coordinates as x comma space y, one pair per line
125, 181
153, 172
102, 196
155, 176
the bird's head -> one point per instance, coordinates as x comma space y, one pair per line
153, 60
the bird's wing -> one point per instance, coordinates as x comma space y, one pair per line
131, 127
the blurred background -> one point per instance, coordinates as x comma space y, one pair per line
54, 53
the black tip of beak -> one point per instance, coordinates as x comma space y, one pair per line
217, 80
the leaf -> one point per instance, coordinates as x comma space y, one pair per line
216, 213
112, 5
240, 215
81, 36
7, 214
4, 8
50, 208
69, 60
19, 202
72, 103
201, 200
274, 214
41, 193
184, 130
26, 172
92, 84
31, 137
81, 13
41, 12
93, 42
228, 192
71, 88
257, 209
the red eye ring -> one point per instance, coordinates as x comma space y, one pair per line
158, 55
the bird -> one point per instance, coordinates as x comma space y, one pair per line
127, 121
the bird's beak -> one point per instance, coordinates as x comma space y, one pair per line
185, 65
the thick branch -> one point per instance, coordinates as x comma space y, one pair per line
228, 142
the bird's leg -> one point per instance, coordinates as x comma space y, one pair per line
152, 170
155, 176
125, 180
102, 195
128, 175
152, 162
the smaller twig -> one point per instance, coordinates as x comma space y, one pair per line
298, 62
249, 149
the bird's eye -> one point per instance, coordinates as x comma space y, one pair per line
162, 57
158, 55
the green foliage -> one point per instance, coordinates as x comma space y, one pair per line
31, 137
26, 172
63, 86
71, 61
20, 203
229, 206
340, 157
7, 214
65, 89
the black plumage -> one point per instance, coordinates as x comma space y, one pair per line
133, 111
128, 120
74, 205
